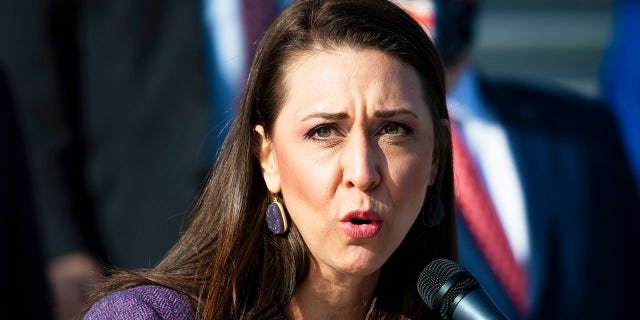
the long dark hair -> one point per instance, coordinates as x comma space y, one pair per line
227, 263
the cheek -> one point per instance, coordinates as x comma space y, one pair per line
411, 176
306, 183
307, 195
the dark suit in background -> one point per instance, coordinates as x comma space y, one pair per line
23, 285
582, 205
620, 76
112, 97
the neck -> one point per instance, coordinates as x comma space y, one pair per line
330, 296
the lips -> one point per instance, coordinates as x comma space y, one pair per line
362, 224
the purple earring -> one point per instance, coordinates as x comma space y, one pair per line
276, 219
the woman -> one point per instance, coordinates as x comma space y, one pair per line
332, 190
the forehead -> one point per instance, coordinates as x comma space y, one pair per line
337, 70
342, 61
345, 80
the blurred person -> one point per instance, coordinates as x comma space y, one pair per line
620, 78
348, 239
112, 98
546, 215
232, 30
23, 287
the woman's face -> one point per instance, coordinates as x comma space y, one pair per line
351, 152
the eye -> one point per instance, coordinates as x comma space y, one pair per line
391, 129
321, 132
394, 128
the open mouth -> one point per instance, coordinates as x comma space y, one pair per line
362, 224
360, 221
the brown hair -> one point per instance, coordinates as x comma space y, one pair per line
227, 263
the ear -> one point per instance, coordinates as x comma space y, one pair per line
265, 153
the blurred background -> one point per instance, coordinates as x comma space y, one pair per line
544, 41
122, 91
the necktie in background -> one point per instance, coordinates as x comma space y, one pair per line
479, 213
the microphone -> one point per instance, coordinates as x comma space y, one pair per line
452, 291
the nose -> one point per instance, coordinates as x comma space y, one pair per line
361, 163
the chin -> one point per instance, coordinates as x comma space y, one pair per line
363, 266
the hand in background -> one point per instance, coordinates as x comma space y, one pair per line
70, 277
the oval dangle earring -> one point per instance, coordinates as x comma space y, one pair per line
276, 218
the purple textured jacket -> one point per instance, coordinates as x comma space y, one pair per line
145, 302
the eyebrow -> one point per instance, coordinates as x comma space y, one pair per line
327, 116
344, 115
393, 113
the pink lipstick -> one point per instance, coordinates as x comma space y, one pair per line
362, 224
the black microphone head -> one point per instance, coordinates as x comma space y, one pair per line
441, 281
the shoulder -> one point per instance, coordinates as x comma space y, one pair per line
553, 109
147, 302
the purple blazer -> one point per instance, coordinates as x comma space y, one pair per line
145, 302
